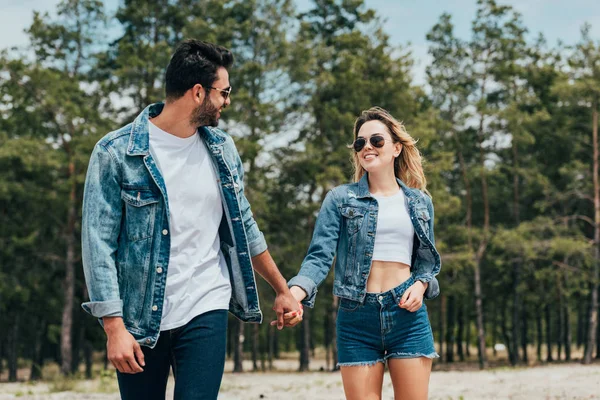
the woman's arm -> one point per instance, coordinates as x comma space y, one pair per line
318, 260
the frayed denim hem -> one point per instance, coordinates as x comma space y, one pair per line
411, 355
361, 363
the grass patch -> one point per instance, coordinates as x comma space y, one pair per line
62, 384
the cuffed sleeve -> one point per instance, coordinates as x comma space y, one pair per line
308, 285
101, 222
109, 308
433, 286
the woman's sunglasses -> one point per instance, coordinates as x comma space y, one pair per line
375, 140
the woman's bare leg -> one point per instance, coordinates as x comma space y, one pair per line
363, 382
410, 377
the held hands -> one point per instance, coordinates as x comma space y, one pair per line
293, 318
412, 299
288, 309
122, 350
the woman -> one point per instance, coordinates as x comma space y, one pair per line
380, 232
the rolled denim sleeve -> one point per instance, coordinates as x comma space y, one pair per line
433, 287
321, 252
256, 240
101, 221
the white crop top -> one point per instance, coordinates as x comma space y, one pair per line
395, 232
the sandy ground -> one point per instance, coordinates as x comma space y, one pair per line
564, 381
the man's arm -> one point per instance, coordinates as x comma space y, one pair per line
262, 261
101, 223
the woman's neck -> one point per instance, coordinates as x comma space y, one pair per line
383, 183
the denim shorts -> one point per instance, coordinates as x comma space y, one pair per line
378, 329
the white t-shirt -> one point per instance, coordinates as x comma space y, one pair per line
197, 276
395, 232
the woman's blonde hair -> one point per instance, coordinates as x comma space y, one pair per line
407, 166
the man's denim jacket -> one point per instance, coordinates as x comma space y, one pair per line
126, 234
345, 229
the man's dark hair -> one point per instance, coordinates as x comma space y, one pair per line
194, 62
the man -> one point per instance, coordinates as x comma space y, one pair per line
168, 237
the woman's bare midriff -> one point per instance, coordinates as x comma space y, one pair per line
386, 275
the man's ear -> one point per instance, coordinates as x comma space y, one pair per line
198, 92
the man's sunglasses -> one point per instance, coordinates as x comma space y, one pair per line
375, 140
224, 92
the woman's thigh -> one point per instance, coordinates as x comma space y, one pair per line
363, 382
410, 377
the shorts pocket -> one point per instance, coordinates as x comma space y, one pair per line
348, 305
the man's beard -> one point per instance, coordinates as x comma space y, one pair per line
205, 114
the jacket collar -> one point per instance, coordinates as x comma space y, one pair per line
139, 137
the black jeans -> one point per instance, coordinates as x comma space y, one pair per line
196, 351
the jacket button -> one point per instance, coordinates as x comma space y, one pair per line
154, 308
159, 270
148, 340
351, 213
165, 232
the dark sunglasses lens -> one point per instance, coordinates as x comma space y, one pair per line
377, 141
359, 144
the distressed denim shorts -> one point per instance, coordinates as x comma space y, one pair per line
379, 329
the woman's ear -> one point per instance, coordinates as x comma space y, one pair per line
398, 149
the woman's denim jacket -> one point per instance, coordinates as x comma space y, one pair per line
345, 229
126, 235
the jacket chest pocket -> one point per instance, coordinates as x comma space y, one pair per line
353, 218
140, 211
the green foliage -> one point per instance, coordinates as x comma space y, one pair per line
514, 112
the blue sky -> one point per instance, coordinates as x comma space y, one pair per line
406, 21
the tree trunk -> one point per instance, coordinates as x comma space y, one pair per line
589, 349
238, 347
494, 318
468, 334
479, 311
524, 327
13, 352
255, 343
568, 332
87, 354
514, 353
503, 326
450, 328
581, 321
539, 336
271, 338
442, 323
548, 334
460, 331
37, 359
334, 353
69, 282
305, 342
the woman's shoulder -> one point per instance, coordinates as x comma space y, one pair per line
345, 190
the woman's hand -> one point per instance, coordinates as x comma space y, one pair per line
293, 318
412, 299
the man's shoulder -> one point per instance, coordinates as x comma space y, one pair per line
117, 139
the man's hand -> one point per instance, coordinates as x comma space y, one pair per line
121, 348
412, 299
293, 318
286, 304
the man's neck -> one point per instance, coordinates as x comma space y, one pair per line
175, 119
